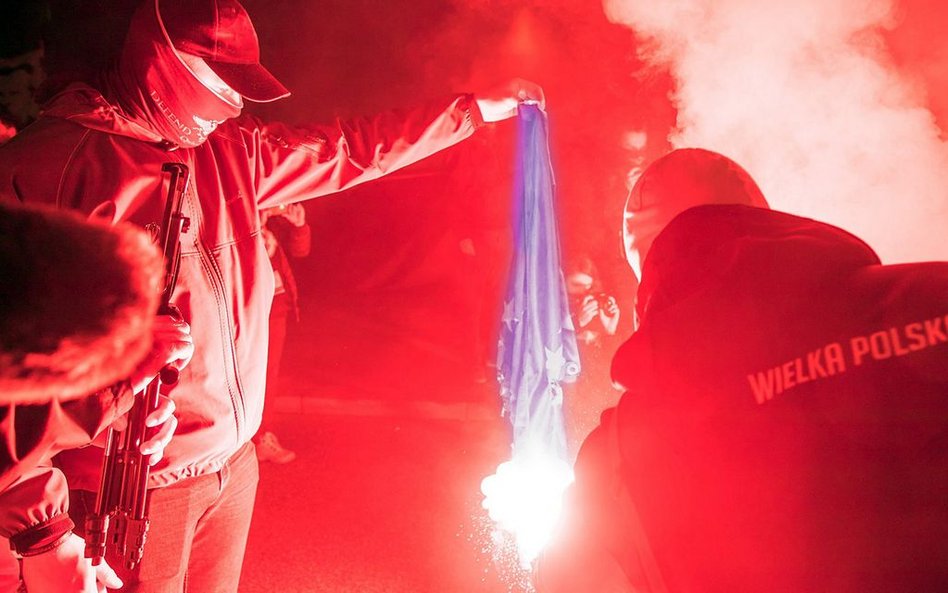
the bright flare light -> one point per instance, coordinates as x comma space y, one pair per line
524, 498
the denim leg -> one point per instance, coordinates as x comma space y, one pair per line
217, 551
197, 531
173, 514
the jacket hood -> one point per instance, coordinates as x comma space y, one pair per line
150, 94
739, 262
763, 250
77, 303
681, 179
87, 107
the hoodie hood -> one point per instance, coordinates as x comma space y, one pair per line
84, 105
724, 272
763, 250
681, 179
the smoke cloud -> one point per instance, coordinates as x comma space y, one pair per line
807, 97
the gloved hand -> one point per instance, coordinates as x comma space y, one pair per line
65, 569
501, 102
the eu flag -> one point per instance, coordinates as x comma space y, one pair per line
537, 349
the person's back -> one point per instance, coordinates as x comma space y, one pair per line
786, 416
785, 425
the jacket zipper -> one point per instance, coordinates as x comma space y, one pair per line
218, 286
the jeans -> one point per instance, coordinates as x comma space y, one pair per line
198, 531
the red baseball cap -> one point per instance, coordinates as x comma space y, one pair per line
220, 32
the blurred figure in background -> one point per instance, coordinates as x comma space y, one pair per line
785, 422
21, 65
286, 235
20, 77
595, 315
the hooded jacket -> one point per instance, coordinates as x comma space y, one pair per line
785, 421
101, 153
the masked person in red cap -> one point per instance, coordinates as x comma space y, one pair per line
78, 336
785, 421
175, 94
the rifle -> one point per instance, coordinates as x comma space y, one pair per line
122, 500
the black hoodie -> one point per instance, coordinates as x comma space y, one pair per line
785, 425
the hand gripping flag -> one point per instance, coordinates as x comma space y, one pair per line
537, 349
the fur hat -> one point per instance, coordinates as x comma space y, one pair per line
77, 303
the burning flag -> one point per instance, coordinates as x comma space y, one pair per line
537, 352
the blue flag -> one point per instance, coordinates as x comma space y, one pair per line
537, 349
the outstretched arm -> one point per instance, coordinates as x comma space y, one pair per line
298, 163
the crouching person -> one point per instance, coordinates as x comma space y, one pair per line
784, 426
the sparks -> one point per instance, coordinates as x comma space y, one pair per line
524, 498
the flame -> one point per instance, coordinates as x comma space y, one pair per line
525, 498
